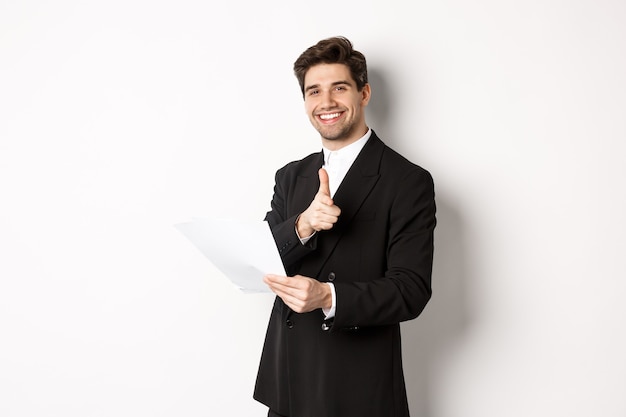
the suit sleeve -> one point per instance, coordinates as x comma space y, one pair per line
283, 226
402, 293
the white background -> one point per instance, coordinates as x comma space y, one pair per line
119, 119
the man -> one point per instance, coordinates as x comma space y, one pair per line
354, 227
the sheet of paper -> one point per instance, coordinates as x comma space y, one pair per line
242, 251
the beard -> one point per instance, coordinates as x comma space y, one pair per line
335, 132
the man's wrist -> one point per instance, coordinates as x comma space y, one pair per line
330, 311
304, 233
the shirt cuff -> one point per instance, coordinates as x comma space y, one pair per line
330, 312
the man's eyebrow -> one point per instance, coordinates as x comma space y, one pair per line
311, 87
333, 84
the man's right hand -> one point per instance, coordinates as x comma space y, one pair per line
322, 213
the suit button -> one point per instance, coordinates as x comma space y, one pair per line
331, 276
325, 327
290, 324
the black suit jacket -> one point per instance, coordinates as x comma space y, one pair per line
379, 257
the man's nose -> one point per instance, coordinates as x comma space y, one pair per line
327, 100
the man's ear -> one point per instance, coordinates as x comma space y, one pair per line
366, 94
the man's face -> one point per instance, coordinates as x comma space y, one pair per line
334, 105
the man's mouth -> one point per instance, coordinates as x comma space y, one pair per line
327, 117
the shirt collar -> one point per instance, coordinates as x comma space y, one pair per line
349, 152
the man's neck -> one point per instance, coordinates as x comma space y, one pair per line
336, 144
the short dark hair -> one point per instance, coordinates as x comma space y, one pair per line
336, 50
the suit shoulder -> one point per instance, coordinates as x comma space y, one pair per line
393, 161
296, 166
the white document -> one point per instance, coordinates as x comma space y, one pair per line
243, 251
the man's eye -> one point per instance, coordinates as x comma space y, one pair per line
313, 92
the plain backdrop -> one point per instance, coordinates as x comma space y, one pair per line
119, 119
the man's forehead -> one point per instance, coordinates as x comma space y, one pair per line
321, 74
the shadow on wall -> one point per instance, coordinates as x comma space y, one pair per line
377, 111
437, 330
431, 337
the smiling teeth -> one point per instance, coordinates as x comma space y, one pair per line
329, 116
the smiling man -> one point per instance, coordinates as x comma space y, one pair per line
335, 104
354, 227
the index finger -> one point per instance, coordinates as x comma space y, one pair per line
276, 279
289, 282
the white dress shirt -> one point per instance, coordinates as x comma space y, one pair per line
337, 163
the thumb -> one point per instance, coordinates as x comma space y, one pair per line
324, 186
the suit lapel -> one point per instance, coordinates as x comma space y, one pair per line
307, 184
354, 189
360, 179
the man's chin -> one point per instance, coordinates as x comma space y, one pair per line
332, 135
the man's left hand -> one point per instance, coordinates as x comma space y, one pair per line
302, 294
